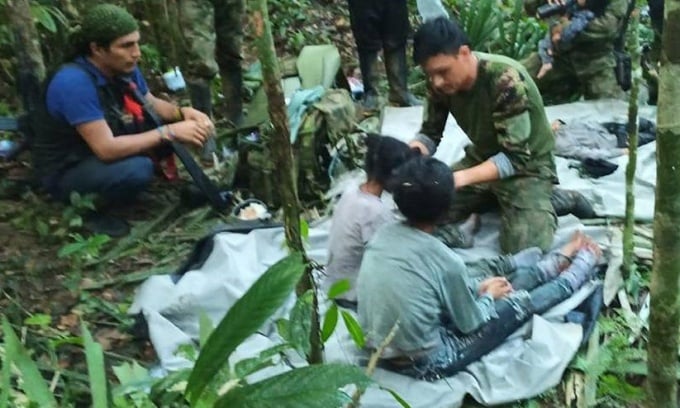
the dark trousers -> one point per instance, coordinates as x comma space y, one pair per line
379, 24
119, 181
457, 350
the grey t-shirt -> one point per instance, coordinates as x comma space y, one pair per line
356, 217
409, 275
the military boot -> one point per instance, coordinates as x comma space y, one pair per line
367, 64
571, 202
232, 88
397, 76
201, 99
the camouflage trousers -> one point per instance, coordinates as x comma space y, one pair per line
575, 75
527, 216
212, 35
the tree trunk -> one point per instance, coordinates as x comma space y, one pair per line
30, 66
282, 156
633, 45
664, 319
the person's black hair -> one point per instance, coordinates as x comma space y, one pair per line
423, 189
437, 36
383, 155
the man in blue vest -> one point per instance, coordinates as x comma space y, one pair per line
92, 134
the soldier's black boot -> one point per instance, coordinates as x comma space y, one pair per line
397, 76
201, 99
367, 65
571, 202
232, 88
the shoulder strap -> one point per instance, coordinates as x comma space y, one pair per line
218, 200
619, 42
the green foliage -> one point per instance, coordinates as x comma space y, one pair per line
84, 249
613, 361
296, 330
499, 27
96, 370
480, 20
330, 321
32, 382
48, 17
311, 386
152, 58
354, 329
245, 317
518, 37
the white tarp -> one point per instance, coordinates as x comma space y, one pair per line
528, 363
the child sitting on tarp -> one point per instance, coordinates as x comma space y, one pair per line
445, 319
360, 212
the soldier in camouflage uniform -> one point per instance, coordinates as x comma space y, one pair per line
211, 37
586, 67
510, 162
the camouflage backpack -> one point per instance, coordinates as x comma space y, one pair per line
323, 143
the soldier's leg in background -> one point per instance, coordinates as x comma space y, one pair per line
198, 58
229, 29
394, 29
558, 85
468, 200
527, 216
364, 18
197, 41
598, 78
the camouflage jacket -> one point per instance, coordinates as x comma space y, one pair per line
601, 31
503, 112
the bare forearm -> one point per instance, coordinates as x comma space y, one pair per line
169, 112
481, 173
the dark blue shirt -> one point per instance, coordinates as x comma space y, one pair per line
72, 96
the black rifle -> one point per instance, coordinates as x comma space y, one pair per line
623, 68
219, 200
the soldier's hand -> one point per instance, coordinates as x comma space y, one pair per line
191, 131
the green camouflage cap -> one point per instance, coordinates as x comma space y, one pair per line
106, 22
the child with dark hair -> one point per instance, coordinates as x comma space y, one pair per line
446, 318
360, 211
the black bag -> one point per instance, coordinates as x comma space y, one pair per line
623, 70
597, 168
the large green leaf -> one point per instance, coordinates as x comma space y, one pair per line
329, 322
354, 329
316, 386
245, 317
6, 378
300, 324
34, 385
95, 369
338, 288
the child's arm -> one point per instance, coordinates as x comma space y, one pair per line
468, 309
545, 50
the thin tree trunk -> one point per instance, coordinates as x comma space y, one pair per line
282, 156
633, 45
664, 320
30, 67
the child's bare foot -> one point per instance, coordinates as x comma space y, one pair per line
577, 241
592, 246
